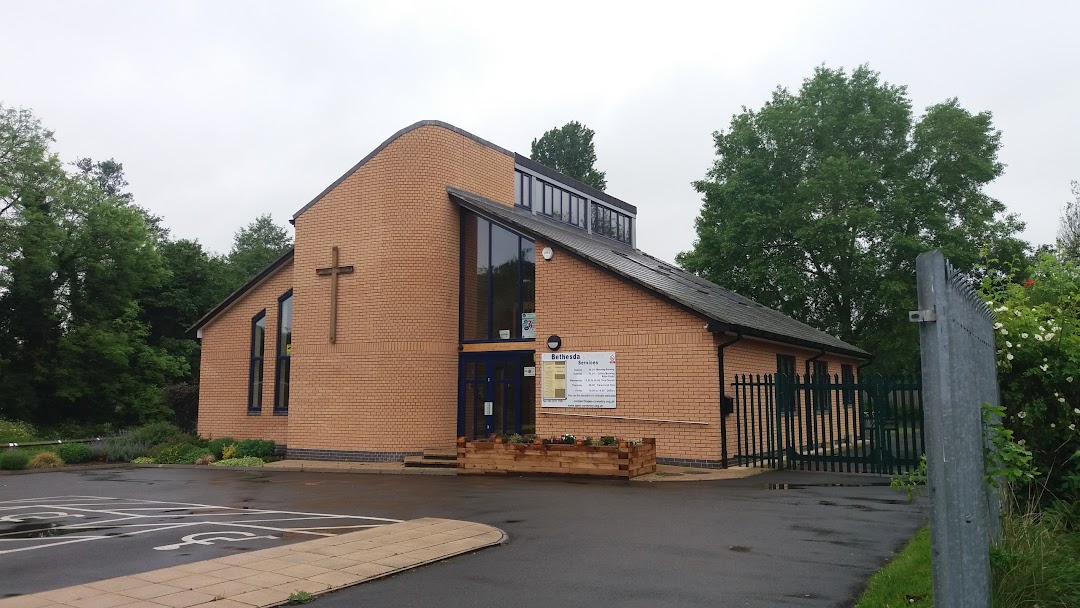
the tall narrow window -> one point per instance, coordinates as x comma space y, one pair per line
847, 374
255, 375
522, 189
822, 398
498, 281
284, 354
785, 384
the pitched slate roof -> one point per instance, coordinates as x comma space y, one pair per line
727, 310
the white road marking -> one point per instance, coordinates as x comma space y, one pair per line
151, 516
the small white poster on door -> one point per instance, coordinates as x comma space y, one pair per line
578, 380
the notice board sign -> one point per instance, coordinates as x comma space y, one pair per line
578, 380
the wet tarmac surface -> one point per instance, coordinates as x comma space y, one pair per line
777, 539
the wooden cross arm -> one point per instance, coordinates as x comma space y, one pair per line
323, 272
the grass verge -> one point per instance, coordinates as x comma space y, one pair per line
905, 580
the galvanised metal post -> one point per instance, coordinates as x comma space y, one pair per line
955, 368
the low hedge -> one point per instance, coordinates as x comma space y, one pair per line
73, 453
258, 448
14, 460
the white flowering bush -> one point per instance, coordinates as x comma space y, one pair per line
1037, 326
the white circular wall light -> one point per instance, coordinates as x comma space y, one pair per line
547, 253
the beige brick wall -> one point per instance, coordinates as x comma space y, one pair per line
666, 367
667, 363
390, 381
226, 361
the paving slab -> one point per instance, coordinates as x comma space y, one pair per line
267, 577
376, 468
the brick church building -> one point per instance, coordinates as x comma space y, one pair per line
447, 287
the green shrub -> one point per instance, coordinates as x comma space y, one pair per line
249, 461
14, 460
259, 448
15, 431
154, 433
206, 459
73, 453
173, 453
123, 449
193, 455
45, 460
1038, 359
142, 460
217, 446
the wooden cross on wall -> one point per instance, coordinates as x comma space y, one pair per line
333, 271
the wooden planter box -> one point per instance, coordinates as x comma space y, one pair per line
621, 462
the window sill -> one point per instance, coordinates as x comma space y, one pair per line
518, 340
254, 412
281, 412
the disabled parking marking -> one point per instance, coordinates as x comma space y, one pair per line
196, 539
28, 524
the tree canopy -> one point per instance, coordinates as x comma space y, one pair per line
95, 298
1069, 230
254, 247
569, 150
819, 202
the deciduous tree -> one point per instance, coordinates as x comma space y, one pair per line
569, 150
1069, 231
254, 247
819, 202
74, 260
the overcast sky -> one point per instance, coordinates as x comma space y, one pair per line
221, 111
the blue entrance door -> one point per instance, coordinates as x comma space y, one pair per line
495, 396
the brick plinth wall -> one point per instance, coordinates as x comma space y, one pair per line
623, 461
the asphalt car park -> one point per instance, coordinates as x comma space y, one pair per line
779, 538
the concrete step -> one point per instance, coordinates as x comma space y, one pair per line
441, 453
423, 461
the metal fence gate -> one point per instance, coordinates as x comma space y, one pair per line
828, 423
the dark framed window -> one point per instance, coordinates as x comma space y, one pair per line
612, 224
523, 189
785, 384
284, 353
847, 376
822, 397
255, 375
498, 281
531, 192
